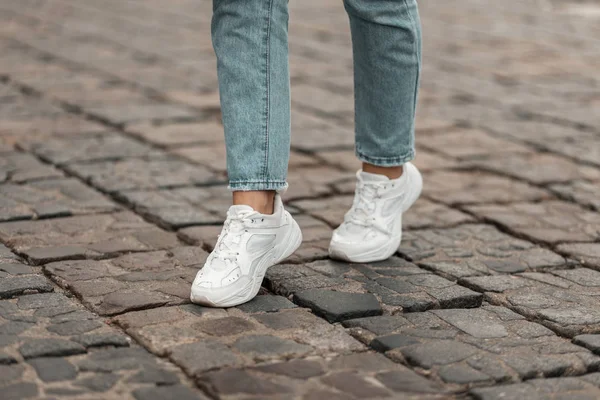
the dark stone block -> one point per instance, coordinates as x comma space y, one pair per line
101, 339
34, 348
233, 381
53, 369
10, 287
338, 306
75, 327
385, 343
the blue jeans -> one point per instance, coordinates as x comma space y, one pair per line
250, 38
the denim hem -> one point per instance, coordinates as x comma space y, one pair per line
386, 161
244, 186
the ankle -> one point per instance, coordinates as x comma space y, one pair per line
260, 200
390, 172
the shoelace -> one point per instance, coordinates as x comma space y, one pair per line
363, 209
229, 239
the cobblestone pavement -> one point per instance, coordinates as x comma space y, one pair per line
112, 189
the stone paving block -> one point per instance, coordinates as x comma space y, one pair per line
397, 284
471, 143
466, 187
586, 253
365, 375
473, 346
106, 147
471, 250
181, 207
179, 135
139, 174
95, 236
136, 112
200, 339
549, 222
338, 306
423, 214
564, 300
67, 363
586, 387
50, 198
583, 192
21, 167
133, 281
12, 286
537, 168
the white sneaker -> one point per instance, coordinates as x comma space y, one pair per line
249, 243
372, 229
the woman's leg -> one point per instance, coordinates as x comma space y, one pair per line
251, 44
250, 40
386, 40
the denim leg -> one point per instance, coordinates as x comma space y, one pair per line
250, 38
386, 41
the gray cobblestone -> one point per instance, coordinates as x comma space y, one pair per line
564, 300
84, 237
50, 198
513, 348
549, 222
139, 174
471, 250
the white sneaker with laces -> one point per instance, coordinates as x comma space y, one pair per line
248, 245
372, 229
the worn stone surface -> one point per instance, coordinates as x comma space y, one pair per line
139, 174
200, 339
84, 237
90, 148
50, 198
488, 344
364, 375
586, 253
396, 283
338, 306
471, 250
133, 281
537, 168
583, 192
549, 222
11, 286
586, 387
564, 300
21, 167
466, 187
179, 208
